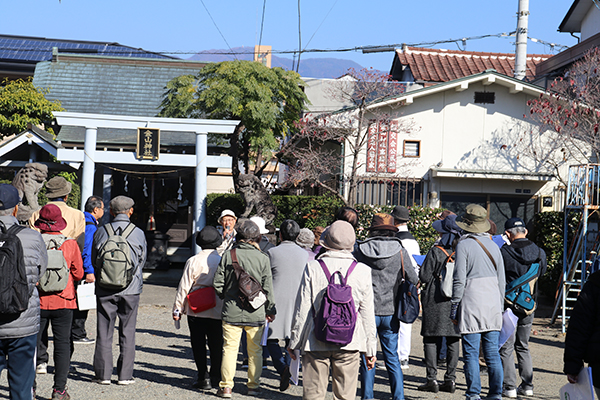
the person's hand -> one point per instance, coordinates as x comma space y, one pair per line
572, 378
371, 362
270, 317
176, 316
291, 353
89, 278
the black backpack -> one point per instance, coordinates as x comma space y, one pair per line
14, 290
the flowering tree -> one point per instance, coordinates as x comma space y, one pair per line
327, 142
569, 116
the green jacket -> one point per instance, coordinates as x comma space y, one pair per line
255, 263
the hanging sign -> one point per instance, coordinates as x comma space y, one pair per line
148, 144
372, 147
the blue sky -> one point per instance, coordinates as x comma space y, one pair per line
185, 26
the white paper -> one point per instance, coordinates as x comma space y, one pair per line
295, 368
265, 335
86, 297
509, 324
582, 390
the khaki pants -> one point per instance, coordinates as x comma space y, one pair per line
231, 344
344, 374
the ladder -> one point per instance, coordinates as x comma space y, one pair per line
579, 251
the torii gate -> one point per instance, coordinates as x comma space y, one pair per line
200, 161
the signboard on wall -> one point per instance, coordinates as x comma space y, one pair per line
382, 146
148, 144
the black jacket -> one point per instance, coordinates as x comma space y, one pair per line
583, 335
518, 257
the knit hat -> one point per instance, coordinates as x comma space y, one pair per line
474, 219
209, 238
9, 196
260, 222
225, 213
50, 219
57, 187
384, 222
121, 203
306, 238
338, 236
401, 214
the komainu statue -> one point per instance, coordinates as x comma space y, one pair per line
256, 197
29, 181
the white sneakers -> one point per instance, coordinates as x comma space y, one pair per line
41, 368
524, 392
126, 382
512, 393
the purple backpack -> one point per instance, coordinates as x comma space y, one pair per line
336, 319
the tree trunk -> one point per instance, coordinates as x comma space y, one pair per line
352, 178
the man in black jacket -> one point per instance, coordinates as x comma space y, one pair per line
518, 257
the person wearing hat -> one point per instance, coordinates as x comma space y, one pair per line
518, 257
123, 304
287, 265
57, 191
18, 335
264, 243
205, 326
436, 324
57, 307
318, 356
226, 228
384, 254
306, 240
478, 300
401, 218
238, 319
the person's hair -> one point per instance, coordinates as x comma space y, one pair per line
93, 202
347, 214
398, 222
7, 212
517, 230
382, 233
318, 231
289, 230
59, 198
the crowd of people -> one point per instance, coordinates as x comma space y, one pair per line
319, 295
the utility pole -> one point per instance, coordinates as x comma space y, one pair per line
521, 44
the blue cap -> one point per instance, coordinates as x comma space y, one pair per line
514, 223
9, 196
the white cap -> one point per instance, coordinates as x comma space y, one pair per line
261, 224
226, 213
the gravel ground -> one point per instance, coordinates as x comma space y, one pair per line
164, 367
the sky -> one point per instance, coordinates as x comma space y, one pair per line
185, 27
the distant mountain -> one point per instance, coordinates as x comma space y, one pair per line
309, 67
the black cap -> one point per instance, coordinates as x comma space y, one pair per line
514, 223
209, 238
9, 196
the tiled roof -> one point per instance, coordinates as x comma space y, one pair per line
110, 85
439, 65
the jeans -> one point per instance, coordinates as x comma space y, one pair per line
489, 342
18, 357
281, 359
387, 331
203, 330
61, 321
519, 342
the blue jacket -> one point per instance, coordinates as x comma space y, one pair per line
91, 226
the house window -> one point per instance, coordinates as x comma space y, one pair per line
485, 97
389, 191
412, 148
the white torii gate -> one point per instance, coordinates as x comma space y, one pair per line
200, 161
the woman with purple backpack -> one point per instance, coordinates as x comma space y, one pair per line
319, 355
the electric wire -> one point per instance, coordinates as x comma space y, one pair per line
216, 26
319, 27
299, 39
262, 22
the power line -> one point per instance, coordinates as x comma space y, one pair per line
299, 38
262, 22
319, 27
212, 19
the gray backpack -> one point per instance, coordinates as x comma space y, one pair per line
56, 276
114, 261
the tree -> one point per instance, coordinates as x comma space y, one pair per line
267, 101
313, 156
22, 103
569, 116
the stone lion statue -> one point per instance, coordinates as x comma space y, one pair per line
256, 197
28, 181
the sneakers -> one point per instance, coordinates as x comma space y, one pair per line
430, 386
126, 382
524, 392
448, 386
84, 340
404, 364
225, 392
41, 368
284, 381
56, 395
101, 381
510, 393
254, 392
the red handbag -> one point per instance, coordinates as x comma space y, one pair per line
202, 299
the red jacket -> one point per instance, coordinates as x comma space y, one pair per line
66, 298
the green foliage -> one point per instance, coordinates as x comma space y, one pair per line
22, 103
548, 231
217, 202
74, 199
178, 100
